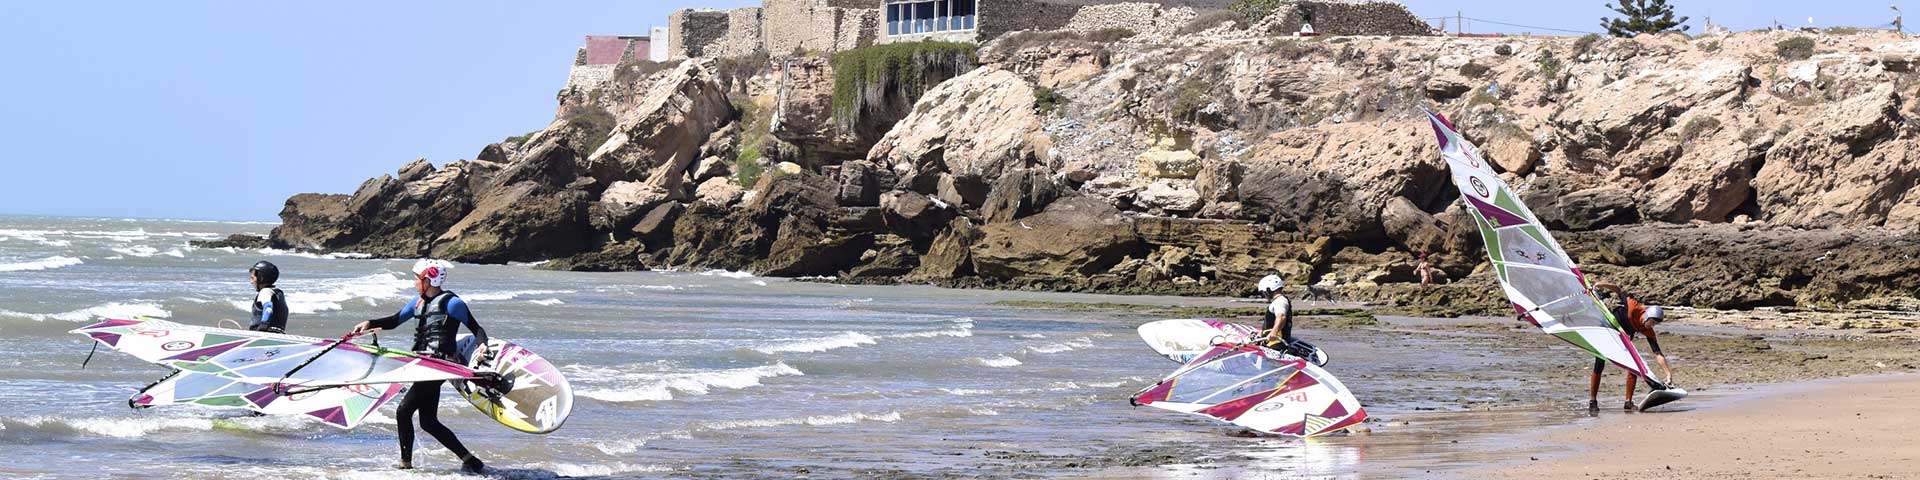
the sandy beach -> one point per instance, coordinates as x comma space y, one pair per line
1860, 427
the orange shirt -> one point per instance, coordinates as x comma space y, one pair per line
1636, 322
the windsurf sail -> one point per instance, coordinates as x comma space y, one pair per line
344, 407
261, 358
1540, 279
1257, 388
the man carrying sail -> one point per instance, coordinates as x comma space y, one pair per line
1638, 319
440, 314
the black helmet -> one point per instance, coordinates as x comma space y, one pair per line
266, 271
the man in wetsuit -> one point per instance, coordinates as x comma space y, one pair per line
1639, 320
269, 303
1276, 325
439, 315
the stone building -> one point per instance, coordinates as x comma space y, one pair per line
594, 62
791, 26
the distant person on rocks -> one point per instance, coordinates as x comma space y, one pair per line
269, 303
440, 314
1638, 319
1425, 270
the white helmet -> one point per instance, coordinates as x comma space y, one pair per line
1656, 313
1270, 284
435, 271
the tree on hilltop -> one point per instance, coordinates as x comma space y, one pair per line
1642, 16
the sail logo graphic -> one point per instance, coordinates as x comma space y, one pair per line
176, 346
1479, 187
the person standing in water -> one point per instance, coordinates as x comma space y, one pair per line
269, 303
1638, 319
1276, 325
439, 314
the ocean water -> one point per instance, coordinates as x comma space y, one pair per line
677, 374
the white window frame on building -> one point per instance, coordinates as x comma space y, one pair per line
921, 17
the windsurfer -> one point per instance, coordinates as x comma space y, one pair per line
440, 314
1639, 319
269, 303
1276, 325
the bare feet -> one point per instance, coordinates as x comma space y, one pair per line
403, 465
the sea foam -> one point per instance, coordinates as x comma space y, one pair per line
41, 264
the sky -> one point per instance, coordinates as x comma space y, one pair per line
220, 110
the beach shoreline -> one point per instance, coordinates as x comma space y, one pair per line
1852, 427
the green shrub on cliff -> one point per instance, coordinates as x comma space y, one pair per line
893, 74
1255, 10
1796, 48
1046, 100
595, 122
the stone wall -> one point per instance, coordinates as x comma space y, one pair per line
824, 25
745, 34
694, 33
1359, 17
1142, 17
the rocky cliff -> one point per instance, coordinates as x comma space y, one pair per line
1744, 170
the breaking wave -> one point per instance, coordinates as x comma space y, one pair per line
1082, 342
814, 345
41, 264
638, 387
962, 328
109, 310
1002, 361
510, 295
816, 420
308, 297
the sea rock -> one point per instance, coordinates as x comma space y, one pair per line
1333, 180
1074, 236
951, 254
238, 240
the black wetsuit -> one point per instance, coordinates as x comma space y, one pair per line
269, 311
1280, 311
439, 321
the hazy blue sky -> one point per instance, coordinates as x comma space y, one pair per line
220, 110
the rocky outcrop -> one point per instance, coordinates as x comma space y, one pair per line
974, 129
1704, 171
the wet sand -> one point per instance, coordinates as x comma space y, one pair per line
1862, 427
1496, 397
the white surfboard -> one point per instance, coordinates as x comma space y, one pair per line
531, 397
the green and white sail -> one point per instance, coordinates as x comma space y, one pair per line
1540, 279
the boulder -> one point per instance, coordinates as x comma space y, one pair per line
1582, 210
623, 202
973, 128
1072, 237
1160, 162
1413, 228
859, 187
1169, 196
915, 216
1018, 193
1332, 180
520, 222
656, 226
668, 125
951, 254
719, 192
623, 256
